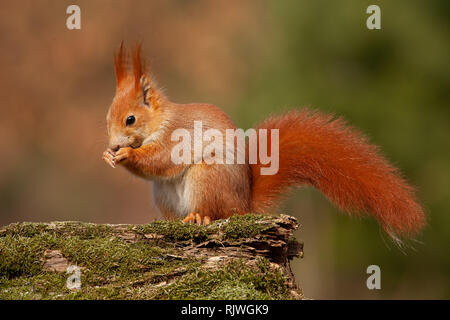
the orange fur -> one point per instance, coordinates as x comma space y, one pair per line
323, 152
139, 67
120, 64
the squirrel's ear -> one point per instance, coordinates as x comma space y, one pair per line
146, 89
141, 79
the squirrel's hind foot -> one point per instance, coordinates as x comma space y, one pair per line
197, 219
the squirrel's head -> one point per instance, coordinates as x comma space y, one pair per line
136, 110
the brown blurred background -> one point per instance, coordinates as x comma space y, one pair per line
252, 58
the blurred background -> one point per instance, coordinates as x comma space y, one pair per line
251, 58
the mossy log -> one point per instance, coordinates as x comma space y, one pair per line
243, 257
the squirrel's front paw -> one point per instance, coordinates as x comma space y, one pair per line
121, 155
108, 157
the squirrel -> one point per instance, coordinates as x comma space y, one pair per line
315, 149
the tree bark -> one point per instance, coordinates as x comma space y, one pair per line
244, 257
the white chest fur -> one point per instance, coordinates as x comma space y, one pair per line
173, 196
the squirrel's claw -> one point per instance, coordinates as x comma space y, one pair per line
206, 220
190, 218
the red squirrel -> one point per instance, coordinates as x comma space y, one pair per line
315, 149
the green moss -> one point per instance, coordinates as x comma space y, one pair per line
19, 256
117, 266
85, 230
175, 230
235, 227
245, 226
100, 257
233, 280
26, 229
109, 264
49, 285
113, 255
82, 230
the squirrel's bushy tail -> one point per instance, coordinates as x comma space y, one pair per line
318, 150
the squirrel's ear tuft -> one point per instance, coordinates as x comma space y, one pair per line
139, 67
121, 64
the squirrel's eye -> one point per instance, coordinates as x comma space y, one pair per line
130, 120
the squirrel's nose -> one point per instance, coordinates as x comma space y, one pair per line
119, 141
